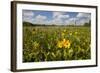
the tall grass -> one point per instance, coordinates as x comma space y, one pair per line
56, 43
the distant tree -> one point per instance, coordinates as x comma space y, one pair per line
87, 23
27, 24
90, 22
53, 24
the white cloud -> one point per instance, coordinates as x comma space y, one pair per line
28, 13
28, 16
57, 21
83, 18
40, 19
63, 16
56, 14
70, 21
58, 17
77, 21
86, 15
67, 22
82, 21
27, 19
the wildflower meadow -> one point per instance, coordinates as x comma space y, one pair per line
56, 43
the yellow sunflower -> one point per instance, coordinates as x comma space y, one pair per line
63, 44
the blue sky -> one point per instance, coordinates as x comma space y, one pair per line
55, 17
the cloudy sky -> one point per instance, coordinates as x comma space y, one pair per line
54, 17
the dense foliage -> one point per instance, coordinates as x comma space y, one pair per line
56, 43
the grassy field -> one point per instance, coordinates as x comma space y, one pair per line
56, 43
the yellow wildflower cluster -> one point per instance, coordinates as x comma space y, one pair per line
76, 32
36, 44
33, 32
63, 44
64, 30
63, 33
70, 33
